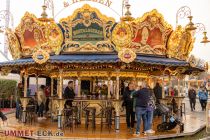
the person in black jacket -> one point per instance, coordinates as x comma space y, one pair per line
192, 98
69, 94
128, 101
158, 92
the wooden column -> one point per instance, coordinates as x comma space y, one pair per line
91, 85
163, 85
60, 88
51, 86
179, 93
109, 87
118, 87
79, 87
94, 84
58, 85
21, 77
25, 84
74, 85
24, 100
117, 104
114, 88
170, 86
37, 82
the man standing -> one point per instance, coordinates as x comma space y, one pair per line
192, 98
128, 101
19, 94
69, 94
158, 92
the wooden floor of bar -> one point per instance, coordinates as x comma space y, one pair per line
192, 125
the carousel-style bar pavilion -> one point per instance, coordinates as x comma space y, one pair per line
88, 45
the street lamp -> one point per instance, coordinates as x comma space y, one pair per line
201, 28
6, 16
49, 4
185, 12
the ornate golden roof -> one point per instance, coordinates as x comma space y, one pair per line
89, 31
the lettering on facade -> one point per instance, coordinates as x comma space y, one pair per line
104, 2
87, 30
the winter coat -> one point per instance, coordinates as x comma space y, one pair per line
128, 101
192, 94
203, 95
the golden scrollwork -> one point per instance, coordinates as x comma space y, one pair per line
40, 56
126, 55
5, 71
86, 10
101, 46
32, 32
151, 33
14, 45
153, 13
87, 22
122, 35
180, 44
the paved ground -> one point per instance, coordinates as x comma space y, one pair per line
198, 113
193, 121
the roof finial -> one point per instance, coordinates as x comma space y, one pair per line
128, 14
44, 14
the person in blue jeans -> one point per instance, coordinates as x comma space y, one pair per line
150, 111
142, 99
19, 94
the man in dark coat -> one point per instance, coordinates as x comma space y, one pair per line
192, 98
128, 100
158, 92
69, 94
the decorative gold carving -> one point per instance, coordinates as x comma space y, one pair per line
85, 10
151, 33
126, 55
153, 13
100, 46
14, 45
5, 71
180, 44
33, 32
176, 71
87, 16
40, 56
122, 35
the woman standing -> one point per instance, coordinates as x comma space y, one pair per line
150, 111
203, 97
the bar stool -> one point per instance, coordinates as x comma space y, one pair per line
20, 114
30, 114
68, 119
75, 116
107, 117
90, 111
183, 109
